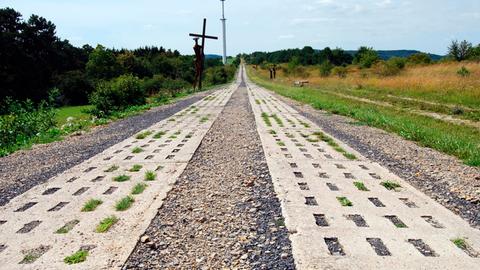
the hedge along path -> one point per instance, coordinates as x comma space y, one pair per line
344, 211
43, 226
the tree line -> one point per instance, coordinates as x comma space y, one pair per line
37, 64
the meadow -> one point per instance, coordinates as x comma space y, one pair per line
397, 104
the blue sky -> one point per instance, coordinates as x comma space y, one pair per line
427, 25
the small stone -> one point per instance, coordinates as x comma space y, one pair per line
284, 255
144, 239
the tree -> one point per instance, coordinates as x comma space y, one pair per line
419, 58
102, 64
366, 57
460, 50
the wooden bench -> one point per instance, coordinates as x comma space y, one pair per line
300, 83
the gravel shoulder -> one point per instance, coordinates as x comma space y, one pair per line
442, 177
223, 211
23, 170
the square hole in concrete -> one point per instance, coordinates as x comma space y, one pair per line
379, 247
110, 190
26, 206
363, 167
170, 157
334, 246
2, 248
128, 158
284, 149
303, 150
149, 157
422, 247
33, 254
303, 186
316, 165
72, 179
358, 220
28, 227
288, 156
127, 146
98, 178
376, 202
293, 165
328, 156
2, 222
396, 221
298, 174
323, 175
81, 191
408, 202
50, 191
308, 156
375, 176
90, 169
310, 201
432, 221
349, 176
339, 166
320, 220
332, 187
57, 207
108, 158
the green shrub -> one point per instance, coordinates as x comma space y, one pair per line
398, 62
326, 69
117, 95
464, 72
419, 59
386, 68
75, 87
341, 72
25, 122
153, 85
219, 74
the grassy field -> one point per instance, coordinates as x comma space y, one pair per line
434, 88
77, 112
457, 140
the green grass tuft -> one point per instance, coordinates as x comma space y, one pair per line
361, 186
150, 176
390, 185
143, 135
460, 243
121, 178
159, 135
137, 150
77, 257
124, 203
112, 168
344, 201
106, 224
266, 119
135, 168
91, 205
139, 188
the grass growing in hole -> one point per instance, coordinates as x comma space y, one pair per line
68, 227
124, 203
400, 225
77, 257
112, 168
150, 176
278, 120
203, 119
91, 205
281, 143
135, 168
137, 150
273, 132
312, 140
361, 186
460, 243
139, 188
280, 222
289, 135
188, 136
171, 120
106, 224
344, 201
29, 258
178, 132
350, 156
304, 124
390, 185
143, 135
266, 119
257, 101
172, 137
159, 135
121, 178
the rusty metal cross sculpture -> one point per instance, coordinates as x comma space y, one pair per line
200, 55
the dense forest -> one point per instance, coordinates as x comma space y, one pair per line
39, 71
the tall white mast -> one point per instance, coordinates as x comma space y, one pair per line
224, 33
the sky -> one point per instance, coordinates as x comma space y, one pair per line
262, 25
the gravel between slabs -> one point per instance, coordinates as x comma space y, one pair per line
24, 170
222, 212
440, 176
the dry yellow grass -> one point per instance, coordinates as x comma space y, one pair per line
437, 82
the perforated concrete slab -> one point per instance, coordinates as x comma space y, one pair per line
40, 228
316, 177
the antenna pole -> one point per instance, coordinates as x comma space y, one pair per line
224, 22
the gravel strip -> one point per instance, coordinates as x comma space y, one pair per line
440, 176
24, 170
223, 211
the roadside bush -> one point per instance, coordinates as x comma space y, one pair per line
366, 57
153, 85
173, 88
419, 59
391, 67
326, 69
463, 72
117, 95
220, 74
341, 72
23, 122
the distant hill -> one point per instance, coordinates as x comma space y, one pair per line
387, 54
